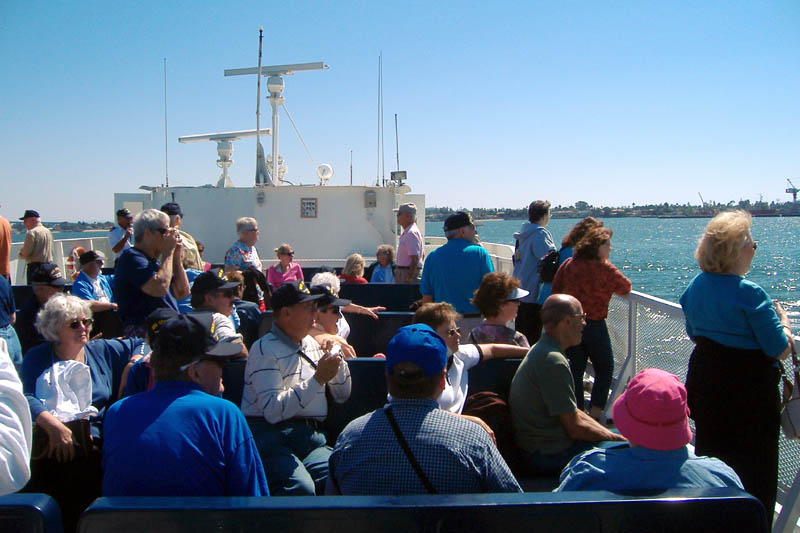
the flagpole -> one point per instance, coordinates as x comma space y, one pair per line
259, 148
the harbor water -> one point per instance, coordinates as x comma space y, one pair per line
657, 254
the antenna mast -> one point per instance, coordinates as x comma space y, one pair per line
396, 142
166, 150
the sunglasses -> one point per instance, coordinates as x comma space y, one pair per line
454, 331
330, 308
162, 231
227, 293
290, 254
85, 322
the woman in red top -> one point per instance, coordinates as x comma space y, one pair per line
592, 279
353, 271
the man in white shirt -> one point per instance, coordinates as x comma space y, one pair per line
15, 431
286, 378
120, 238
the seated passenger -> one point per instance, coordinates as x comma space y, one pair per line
332, 283
327, 318
140, 376
213, 294
69, 382
652, 414
353, 271
286, 269
498, 299
442, 317
8, 317
453, 454
286, 378
46, 281
15, 436
179, 438
382, 271
548, 426
246, 315
94, 287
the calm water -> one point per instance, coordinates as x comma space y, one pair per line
19, 237
658, 254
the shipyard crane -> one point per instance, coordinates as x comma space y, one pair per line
224, 142
702, 202
792, 190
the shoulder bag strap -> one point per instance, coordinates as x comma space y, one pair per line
411, 459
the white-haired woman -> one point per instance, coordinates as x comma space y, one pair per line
286, 270
70, 377
740, 335
243, 256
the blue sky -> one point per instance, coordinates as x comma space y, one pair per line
498, 103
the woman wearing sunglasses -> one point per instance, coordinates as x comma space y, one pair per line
67, 379
286, 270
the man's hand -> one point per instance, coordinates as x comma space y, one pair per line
171, 240
327, 367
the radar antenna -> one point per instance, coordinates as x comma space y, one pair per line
275, 87
224, 142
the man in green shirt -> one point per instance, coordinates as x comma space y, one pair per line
548, 426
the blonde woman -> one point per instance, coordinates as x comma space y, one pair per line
739, 336
353, 271
286, 270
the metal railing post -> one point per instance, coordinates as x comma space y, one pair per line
628, 369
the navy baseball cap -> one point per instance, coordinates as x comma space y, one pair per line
157, 318
190, 336
124, 212
289, 294
327, 296
91, 255
418, 344
48, 274
172, 208
29, 213
210, 281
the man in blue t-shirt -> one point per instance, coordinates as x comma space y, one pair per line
454, 271
180, 438
150, 274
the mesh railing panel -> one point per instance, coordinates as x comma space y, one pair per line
661, 342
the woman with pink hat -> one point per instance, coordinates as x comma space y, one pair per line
653, 415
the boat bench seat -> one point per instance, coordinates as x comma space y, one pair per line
23, 293
29, 513
685, 510
392, 296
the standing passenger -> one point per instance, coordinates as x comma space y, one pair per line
592, 279
120, 237
733, 373
452, 272
38, 246
5, 249
410, 249
533, 242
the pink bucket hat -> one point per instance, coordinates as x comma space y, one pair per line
652, 412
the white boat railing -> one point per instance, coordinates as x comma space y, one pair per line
62, 250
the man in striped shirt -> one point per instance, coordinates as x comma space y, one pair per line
284, 400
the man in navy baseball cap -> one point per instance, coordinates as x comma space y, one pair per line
411, 446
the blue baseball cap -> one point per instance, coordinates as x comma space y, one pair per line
418, 344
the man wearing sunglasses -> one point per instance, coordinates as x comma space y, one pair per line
213, 294
180, 438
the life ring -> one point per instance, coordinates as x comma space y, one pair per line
73, 260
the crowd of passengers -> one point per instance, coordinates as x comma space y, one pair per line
119, 390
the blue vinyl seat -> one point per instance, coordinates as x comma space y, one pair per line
29, 513
685, 511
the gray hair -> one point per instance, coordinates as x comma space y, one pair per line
387, 249
451, 234
59, 310
327, 279
149, 219
244, 224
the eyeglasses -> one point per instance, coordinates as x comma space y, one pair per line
252, 229
454, 331
580, 316
330, 308
162, 231
290, 254
85, 322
